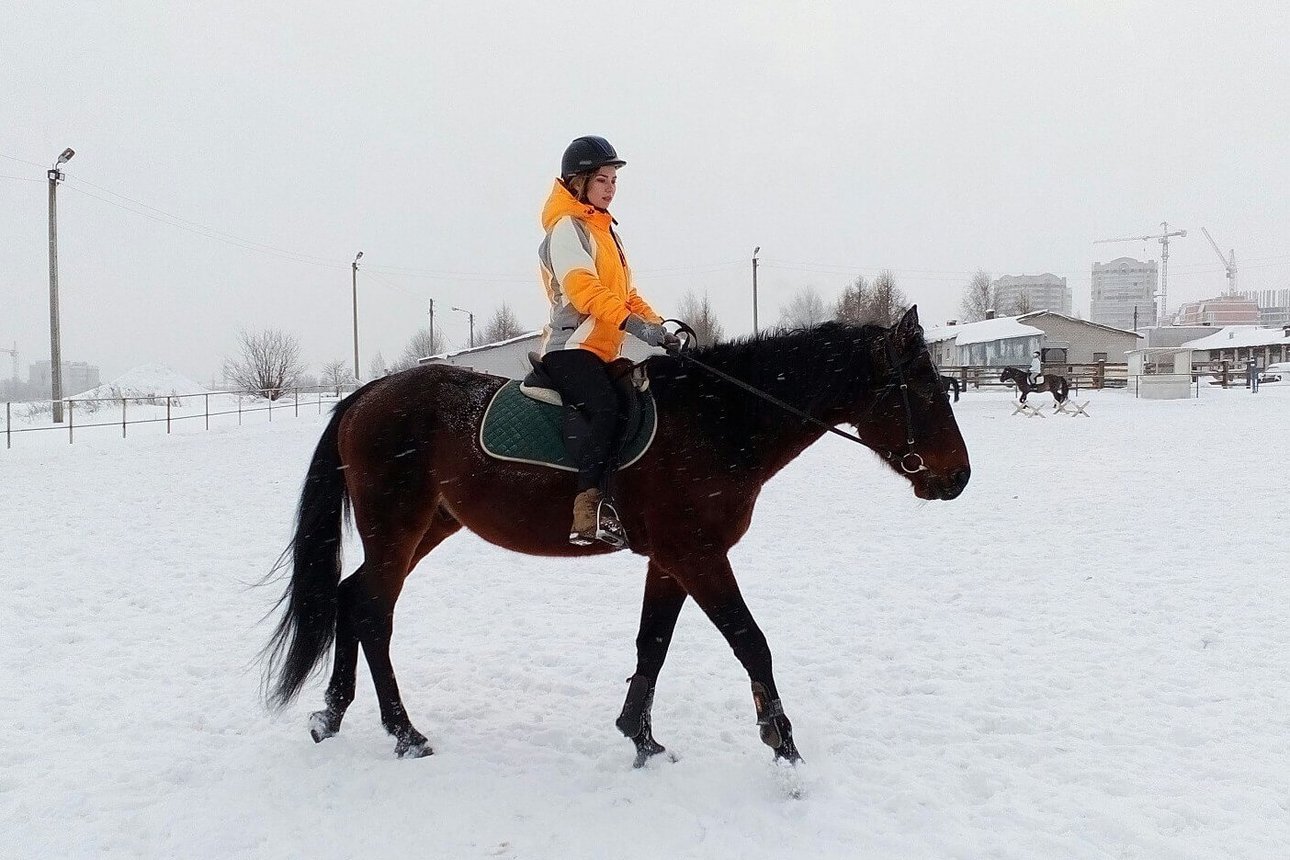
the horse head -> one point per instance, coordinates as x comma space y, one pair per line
910, 422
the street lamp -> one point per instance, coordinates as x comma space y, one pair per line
756, 251
472, 324
354, 279
55, 346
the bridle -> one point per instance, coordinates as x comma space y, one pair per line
910, 462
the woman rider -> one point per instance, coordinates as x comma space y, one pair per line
589, 286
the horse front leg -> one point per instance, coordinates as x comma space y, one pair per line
711, 583
660, 608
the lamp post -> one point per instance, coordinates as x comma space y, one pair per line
55, 346
472, 324
354, 280
756, 251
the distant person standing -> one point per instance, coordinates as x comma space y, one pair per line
1252, 371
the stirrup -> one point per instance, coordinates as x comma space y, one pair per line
609, 528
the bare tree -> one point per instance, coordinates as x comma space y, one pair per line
422, 344
978, 297
806, 309
503, 325
377, 369
851, 304
269, 363
336, 374
887, 302
698, 314
1021, 304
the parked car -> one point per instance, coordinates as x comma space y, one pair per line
1275, 372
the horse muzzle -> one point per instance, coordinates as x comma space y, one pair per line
937, 488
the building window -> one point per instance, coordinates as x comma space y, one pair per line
1099, 356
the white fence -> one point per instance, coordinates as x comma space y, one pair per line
97, 415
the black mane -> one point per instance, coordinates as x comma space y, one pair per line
808, 368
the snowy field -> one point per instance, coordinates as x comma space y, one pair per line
1083, 657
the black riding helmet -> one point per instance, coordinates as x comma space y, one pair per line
588, 153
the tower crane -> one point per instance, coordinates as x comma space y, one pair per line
1164, 258
1229, 264
13, 353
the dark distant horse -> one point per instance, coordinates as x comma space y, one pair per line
1056, 385
403, 452
948, 382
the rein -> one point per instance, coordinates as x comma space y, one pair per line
903, 387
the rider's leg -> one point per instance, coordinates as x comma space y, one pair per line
585, 385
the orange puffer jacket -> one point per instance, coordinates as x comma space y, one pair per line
587, 279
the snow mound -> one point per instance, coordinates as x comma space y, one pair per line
146, 382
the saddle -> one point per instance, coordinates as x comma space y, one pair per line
525, 421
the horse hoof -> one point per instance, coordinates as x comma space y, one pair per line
413, 748
647, 750
788, 753
323, 725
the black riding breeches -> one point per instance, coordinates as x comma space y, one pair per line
590, 431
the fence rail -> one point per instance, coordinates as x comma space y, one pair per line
248, 402
1095, 376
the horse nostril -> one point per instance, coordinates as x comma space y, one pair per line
959, 477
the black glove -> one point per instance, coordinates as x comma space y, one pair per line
652, 333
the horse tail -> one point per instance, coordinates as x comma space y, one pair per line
307, 628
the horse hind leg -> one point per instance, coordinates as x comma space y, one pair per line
660, 608
340, 689
365, 616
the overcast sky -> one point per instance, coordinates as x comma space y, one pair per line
232, 157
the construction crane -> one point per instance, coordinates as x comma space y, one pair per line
1164, 259
13, 353
1230, 265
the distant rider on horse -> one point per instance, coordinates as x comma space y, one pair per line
589, 286
1036, 368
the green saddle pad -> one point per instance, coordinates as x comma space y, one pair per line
518, 428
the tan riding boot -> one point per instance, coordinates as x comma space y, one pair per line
586, 506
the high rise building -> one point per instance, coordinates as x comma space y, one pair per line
78, 376
1274, 306
1017, 294
1121, 289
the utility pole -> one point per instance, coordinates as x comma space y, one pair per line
434, 347
754, 262
55, 345
354, 280
472, 324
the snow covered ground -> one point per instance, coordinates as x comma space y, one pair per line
1084, 656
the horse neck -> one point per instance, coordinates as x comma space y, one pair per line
820, 378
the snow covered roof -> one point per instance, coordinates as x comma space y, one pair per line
1240, 336
999, 328
483, 346
1103, 326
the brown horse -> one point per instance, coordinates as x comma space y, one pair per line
403, 452
1053, 383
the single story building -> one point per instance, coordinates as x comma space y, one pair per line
1242, 344
1003, 341
509, 358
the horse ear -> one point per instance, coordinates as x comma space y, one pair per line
908, 331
